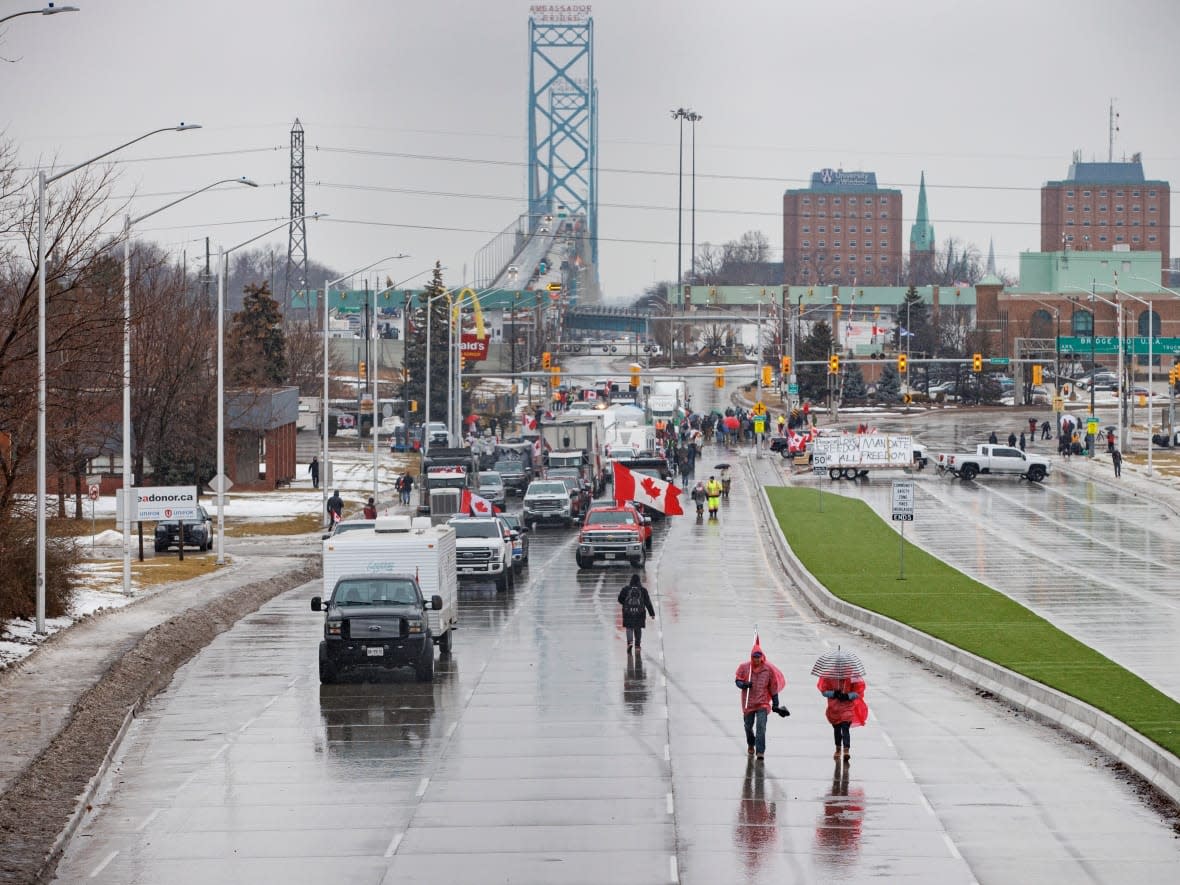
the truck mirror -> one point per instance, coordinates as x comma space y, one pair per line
436, 602
315, 604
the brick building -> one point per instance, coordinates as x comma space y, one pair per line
843, 229
1101, 206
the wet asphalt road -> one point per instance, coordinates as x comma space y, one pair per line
543, 753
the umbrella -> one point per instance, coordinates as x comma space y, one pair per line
838, 664
722, 466
731, 422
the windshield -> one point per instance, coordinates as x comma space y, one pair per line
512, 519
375, 591
473, 528
547, 488
610, 517
488, 479
508, 467
564, 472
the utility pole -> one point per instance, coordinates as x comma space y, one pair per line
297, 232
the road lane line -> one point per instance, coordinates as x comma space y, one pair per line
905, 769
451, 728
470, 695
188, 781
102, 866
663, 681
269, 703
667, 752
951, 845
220, 750
422, 785
147, 820
888, 742
668, 798
393, 844
926, 804
672, 870
247, 725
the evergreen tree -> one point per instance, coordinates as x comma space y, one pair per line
889, 386
414, 364
813, 380
854, 383
256, 350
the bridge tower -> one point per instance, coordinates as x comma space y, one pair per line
563, 119
296, 276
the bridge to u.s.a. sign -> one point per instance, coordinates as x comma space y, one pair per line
1082, 345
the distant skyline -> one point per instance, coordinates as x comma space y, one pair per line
416, 126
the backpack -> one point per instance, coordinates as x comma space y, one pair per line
633, 602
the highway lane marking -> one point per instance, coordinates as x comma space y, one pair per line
102, 866
470, 695
667, 752
888, 742
668, 798
220, 750
188, 781
393, 844
147, 820
247, 725
905, 769
451, 728
951, 846
926, 804
422, 785
269, 703
663, 681
672, 870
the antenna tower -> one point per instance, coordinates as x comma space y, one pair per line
296, 277
1114, 127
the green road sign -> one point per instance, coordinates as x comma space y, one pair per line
1107, 344
793, 389
999, 360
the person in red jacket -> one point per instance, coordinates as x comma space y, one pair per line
846, 708
760, 682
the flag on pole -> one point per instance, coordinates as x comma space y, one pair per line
476, 505
657, 494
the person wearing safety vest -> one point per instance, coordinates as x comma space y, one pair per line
713, 491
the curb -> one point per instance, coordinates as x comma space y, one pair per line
1150, 761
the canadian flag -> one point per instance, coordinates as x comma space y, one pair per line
643, 489
476, 505
529, 421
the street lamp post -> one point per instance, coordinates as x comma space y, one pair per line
1150, 371
50, 9
680, 114
693, 118
1151, 334
128, 474
44, 181
326, 466
1094, 296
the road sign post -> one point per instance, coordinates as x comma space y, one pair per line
903, 512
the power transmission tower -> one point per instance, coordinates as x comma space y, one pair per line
296, 277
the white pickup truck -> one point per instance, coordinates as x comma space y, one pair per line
994, 459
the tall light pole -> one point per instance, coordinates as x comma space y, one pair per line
1151, 333
1150, 369
326, 465
693, 118
680, 114
44, 181
222, 283
128, 473
1094, 296
47, 10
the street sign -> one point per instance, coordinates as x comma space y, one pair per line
554, 287
1092, 426
215, 482
1058, 404
903, 500
999, 360
759, 425
759, 408
818, 470
1107, 344
165, 502
793, 389
92, 491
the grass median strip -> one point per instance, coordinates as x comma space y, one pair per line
854, 553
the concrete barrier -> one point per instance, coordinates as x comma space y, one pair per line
1147, 759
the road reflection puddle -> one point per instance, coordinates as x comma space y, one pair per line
756, 832
837, 835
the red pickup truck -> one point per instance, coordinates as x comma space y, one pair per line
611, 534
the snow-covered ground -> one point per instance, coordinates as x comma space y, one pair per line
103, 557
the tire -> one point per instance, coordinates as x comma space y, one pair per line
639, 561
511, 573
328, 674
1036, 473
647, 543
444, 642
424, 671
835, 473
580, 562
968, 472
501, 583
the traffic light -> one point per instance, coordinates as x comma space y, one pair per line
719, 377
768, 376
977, 363
839, 309
1174, 375
546, 360
413, 405
361, 369
786, 366
902, 363
635, 376
555, 376
834, 364
876, 311
1038, 376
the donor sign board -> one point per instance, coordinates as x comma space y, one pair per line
165, 502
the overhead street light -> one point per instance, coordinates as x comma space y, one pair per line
48, 10
222, 282
43, 181
128, 474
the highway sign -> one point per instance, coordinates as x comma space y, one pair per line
759, 408
903, 500
999, 360
1106, 344
793, 389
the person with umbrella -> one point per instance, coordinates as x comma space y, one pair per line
760, 682
713, 491
842, 681
725, 479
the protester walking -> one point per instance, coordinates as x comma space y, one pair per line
1110, 441
992, 438
1021, 443
335, 507
1011, 440
314, 469
1045, 427
842, 681
636, 605
1116, 458
760, 682
370, 511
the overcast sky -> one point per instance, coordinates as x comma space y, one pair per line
988, 98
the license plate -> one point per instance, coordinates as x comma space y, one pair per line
375, 651
609, 555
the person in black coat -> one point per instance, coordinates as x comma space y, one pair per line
635, 600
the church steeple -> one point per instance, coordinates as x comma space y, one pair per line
922, 232
990, 270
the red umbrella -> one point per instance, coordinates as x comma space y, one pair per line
473, 419
731, 422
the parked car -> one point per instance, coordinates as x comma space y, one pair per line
197, 533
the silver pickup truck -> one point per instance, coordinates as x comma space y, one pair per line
994, 459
